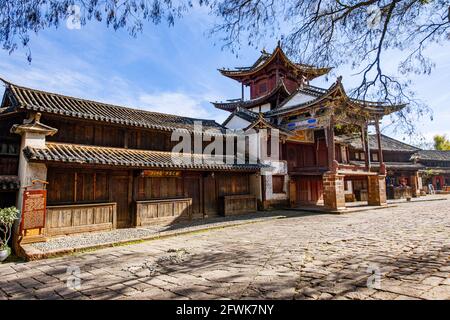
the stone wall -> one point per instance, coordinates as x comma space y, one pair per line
333, 191
377, 190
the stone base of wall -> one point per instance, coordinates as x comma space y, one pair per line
333, 191
376, 190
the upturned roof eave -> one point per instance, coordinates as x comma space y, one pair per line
237, 74
231, 106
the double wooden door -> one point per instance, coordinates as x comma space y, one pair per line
203, 191
309, 189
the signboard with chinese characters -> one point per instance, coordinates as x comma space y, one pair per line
303, 136
310, 123
33, 209
161, 173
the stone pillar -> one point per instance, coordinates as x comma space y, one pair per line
333, 191
376, 190
33, 135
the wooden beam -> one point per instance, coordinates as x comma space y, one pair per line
380, 148
365, 138
331, 145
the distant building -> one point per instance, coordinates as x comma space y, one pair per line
437, 168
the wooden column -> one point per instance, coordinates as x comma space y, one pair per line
380, 149
242, 92
365, 142
331, 146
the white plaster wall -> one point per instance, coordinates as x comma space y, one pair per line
237, 123
30, 171
298, 99
262, 108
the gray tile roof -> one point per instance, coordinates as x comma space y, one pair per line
432, 155
394, 165
387, 144
105, 156
47, 102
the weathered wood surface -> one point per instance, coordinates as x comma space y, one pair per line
163, 211
238, 204
69, 219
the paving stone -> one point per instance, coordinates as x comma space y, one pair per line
300, 257
433, 281
441, 292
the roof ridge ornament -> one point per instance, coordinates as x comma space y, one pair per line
34, 125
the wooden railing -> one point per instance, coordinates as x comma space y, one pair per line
238, 204
163, 211
69, 219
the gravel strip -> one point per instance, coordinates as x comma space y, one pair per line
118, 235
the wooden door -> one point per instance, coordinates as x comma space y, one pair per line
210, 196
192, 190
309, 189
302, 190
120, 195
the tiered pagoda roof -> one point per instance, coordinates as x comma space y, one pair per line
242, 74
279, 93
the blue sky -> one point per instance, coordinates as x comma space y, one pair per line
174, 69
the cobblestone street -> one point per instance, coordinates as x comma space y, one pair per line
401, 252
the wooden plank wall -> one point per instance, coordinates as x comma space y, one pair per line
309, 189
9, 146
239, 204
70, 219
163, 211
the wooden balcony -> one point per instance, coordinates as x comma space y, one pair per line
354, 169
163, 211
70, 219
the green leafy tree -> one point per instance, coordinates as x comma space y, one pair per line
441, 142
7, 218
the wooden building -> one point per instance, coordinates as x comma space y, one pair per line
111, 167
315, 166
403, 179
436, 170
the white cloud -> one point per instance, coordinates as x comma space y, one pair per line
175, 103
